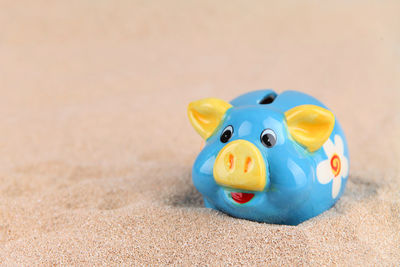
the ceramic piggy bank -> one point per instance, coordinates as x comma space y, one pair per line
268, 157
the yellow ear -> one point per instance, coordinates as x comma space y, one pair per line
205, 115
310, 125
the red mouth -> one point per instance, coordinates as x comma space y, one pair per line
241, 198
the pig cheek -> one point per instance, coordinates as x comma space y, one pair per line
291, 182
202, 173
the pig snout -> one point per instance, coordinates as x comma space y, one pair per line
240, 165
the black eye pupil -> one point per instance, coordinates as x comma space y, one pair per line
226, 134
268, 140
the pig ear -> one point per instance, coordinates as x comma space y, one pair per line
206, 114
310, 125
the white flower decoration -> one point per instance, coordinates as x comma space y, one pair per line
335, 167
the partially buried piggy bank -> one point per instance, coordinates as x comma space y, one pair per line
268, 157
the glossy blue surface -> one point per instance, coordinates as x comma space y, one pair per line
293, 192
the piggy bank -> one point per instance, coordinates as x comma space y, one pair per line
268, 157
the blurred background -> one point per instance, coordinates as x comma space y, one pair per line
94, 132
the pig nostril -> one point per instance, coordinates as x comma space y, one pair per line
247, 164
230, 162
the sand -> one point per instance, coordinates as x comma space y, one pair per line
96, 149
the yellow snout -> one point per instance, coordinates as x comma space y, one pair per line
240, 165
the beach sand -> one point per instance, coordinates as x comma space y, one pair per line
96, 148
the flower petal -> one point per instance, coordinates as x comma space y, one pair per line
329, 148
337, 182
339, 144
324, 172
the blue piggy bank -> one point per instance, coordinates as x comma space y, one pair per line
268, 157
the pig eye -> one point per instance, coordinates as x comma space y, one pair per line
268, 138
226, 134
